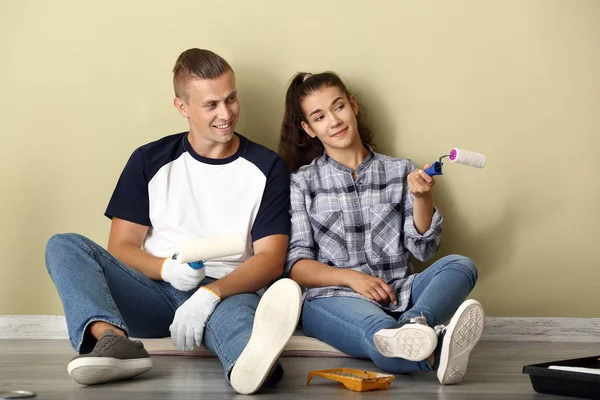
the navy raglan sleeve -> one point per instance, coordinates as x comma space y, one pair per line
273, 216
130, 198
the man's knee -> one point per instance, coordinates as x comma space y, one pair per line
59, 245
240, 306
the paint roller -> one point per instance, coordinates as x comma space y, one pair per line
194, 252
458, 156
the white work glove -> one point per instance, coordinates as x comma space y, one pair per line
190, 319
181, 276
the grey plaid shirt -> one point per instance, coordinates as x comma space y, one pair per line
365, 225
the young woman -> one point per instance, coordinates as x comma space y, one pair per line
356, 215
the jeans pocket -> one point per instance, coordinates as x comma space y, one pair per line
386, 229
330, 236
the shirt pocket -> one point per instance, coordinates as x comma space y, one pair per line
386, 229
330, 235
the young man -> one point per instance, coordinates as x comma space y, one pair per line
207, 182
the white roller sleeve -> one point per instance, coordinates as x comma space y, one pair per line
582, 370
211, 248
466, 157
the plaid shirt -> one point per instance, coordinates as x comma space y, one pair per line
365, 225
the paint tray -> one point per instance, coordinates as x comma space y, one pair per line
356, 380
566, 383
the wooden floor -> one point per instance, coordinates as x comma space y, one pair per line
494, 373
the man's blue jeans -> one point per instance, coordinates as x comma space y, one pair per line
349, 324
95, 286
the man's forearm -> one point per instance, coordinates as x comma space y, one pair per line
138, 259
252, 275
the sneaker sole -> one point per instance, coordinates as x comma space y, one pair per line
94, 370
463, 333
275, 321
413, 342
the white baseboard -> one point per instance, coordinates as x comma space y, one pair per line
499, 329
33, 327
542, 329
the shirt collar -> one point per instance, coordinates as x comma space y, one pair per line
342, 168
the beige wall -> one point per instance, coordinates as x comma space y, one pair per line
84, 83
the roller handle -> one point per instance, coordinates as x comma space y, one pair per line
196, 265
435, 169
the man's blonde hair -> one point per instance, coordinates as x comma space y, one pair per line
197, 64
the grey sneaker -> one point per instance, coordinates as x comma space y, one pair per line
460, 337
113, 358
413, 341
275, 321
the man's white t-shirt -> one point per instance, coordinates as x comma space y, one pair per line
183, 196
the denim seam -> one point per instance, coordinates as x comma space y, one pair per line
95, 255
218, 346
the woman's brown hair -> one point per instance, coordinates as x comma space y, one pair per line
295, 146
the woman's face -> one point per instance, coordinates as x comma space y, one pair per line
330, 115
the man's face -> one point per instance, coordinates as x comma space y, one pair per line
211, 107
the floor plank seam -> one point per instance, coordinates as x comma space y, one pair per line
497, 329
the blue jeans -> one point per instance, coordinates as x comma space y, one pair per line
95, 286
348, 324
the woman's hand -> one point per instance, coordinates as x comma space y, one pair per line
371, 287
420, 184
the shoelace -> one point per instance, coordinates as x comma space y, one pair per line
439, 329
105, 342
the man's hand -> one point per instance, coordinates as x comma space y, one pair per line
371, 287
181, 276
190, 319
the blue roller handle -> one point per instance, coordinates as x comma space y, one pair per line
196, 265
435, 169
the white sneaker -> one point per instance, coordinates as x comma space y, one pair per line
275, 321
462, 334
414, 341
